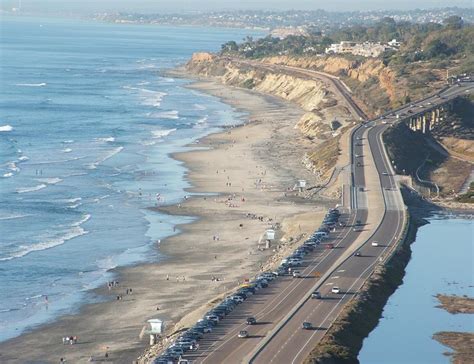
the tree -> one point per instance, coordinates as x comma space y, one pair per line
437, 49
230, 46
453, 22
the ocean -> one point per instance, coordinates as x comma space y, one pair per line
87, 122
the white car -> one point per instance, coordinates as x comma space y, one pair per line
296, 274
375, 243
335, 289
243, 334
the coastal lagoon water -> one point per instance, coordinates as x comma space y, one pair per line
442, 262
87, 121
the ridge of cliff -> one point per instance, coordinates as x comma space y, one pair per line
325, 115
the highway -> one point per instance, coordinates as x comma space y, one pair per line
375, 202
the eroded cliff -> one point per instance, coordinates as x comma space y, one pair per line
324, 118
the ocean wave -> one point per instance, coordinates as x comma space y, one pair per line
167, 79
6, 128
106, 139
67, 150
23, 158
68, 141
31, 189
98, 199
103, 159
12, 217
12, 167
23, 250
50, 181
172, 115
150, 97
42, 84
202, 121
162, 133
199, 107
8, 175
84, 219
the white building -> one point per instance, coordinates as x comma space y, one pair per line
366, 49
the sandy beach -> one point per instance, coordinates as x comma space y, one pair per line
243, 181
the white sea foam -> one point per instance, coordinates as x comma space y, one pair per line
173, 115
49, 181
7, 175
199, 107
84, 219
67, 150
201, 123
31, 189
6, 128
23, 250
106, 139
162, 133
68, 141
12, 167
150, 97
12, 217
42, 84
108, 155
23, 158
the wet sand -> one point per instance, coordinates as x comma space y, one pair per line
240, 179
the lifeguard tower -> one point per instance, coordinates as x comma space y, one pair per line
157, 327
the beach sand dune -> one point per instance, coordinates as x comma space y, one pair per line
248, 170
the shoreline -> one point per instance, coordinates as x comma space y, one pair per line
235, 256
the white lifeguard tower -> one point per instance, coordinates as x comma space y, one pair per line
301, 185
157, 327
270, 234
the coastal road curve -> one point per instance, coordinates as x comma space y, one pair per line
281, 308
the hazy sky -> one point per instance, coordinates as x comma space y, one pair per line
205, 5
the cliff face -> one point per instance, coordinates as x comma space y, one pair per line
323, 117
356, 70
307, 93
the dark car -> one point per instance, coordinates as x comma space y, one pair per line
251, 320
307, 326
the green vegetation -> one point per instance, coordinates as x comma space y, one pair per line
420, 42
468, 197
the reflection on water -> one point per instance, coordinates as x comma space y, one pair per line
442, 262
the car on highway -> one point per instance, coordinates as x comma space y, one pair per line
374, 243
335, 289
316, 294
297, 274
307, 326
243, 334
358, 254
385, 173
251, 320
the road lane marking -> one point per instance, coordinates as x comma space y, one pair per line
261, 313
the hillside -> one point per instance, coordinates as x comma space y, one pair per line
427, 53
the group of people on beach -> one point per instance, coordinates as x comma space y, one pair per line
112, 284
69, 340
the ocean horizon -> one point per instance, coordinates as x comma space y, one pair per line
88, 120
